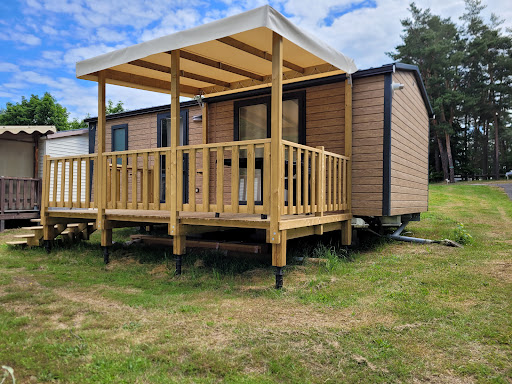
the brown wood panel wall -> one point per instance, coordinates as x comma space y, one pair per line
367, 145
409, 148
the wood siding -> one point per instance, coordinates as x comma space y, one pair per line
367, 145
409, 148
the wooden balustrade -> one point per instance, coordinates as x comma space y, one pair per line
136, 179
230, 177
314, 180
19, 194
232, 180
69, 181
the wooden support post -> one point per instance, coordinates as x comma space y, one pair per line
47, 229
346, 231
279, 251
106, 234
175, 137
276, 138
348, 140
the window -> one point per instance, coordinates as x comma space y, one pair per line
252, 121
119, 139
163, 140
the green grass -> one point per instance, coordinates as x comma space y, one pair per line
392, 312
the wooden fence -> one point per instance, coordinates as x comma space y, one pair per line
19, 194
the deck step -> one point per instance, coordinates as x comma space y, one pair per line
27, 236
35, 220
39, 227
16, 242
67, 232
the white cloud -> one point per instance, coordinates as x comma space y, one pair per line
8, 67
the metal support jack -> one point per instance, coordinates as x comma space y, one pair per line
106, 254
279, 277
48, 246
178, 265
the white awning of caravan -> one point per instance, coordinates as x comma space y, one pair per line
222, 56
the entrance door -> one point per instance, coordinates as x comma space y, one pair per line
163, 140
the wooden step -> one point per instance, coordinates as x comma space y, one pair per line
35, 220
40, 227
16, 243
28, 235
67, 232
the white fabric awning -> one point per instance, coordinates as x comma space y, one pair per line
222, 56
28, 129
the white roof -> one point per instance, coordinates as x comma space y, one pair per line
220, 56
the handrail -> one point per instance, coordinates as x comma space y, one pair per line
68, 182
229, 177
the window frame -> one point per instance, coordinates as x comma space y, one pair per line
119, 126
300, 95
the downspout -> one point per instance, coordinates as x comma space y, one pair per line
396, 236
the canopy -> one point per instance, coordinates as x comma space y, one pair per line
222, 56
28, 129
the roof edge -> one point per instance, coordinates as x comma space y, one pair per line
386, 68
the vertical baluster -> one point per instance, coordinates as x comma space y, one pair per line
306, 182
87, 182
179, 180
113, 184
220, 180
235, 177
320, 186
124, 182
79, 182
206, 179
250, 178
134, 181
265, 179
145, 182
192, 180
329, 183
340, 195
290, 181
62, 182
313, 183
345, 184
70, 182
11, 202
54, 181
298, 172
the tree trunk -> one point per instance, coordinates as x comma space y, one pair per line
496, 149
437, 159
485, 147
444, 161
450, 158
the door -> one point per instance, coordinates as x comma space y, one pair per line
163, 140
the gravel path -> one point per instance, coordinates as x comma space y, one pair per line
507, 188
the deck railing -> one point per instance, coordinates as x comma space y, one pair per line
68, 183
231, 177
314, 180
19, 194
231, 182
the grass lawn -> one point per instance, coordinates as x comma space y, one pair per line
393, 312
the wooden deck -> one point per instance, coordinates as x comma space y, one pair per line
229, 220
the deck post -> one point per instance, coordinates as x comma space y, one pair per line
276, 138
45, 200
101, 174
174, 227
2, 203
346, 231
277, 238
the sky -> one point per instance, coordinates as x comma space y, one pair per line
41, 40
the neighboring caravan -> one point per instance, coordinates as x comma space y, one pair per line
285, 137
20, 185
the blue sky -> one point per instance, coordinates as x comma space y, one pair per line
41, 40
